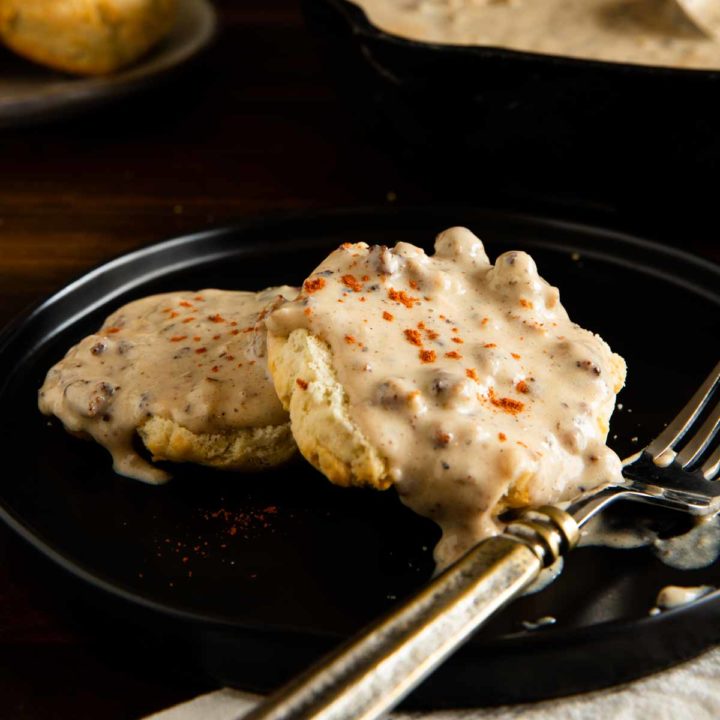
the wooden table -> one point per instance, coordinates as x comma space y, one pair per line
253, 128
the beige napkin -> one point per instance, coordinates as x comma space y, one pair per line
691, 690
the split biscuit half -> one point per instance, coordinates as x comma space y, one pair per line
185, 372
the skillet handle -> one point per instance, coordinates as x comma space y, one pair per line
374, 671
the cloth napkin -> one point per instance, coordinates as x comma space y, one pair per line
690, 690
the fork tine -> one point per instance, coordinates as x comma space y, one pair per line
712, 466
700, 440
680, 425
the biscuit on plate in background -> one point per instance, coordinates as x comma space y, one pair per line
86, 37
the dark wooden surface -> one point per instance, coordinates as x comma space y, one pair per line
253, 128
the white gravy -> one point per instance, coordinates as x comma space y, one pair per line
546, 577
468, 377
197, 358
674, 596
645, 32
539, 623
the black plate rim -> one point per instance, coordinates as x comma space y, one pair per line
362, 26
569, 636
281, 217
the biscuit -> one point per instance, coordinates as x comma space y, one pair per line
187, 373
87, 37
461, 383
245, 449
306, 383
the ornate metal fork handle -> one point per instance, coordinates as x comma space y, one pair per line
369, 675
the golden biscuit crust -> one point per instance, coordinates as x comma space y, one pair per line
87, 37
246, 450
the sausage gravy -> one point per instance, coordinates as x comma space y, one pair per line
197, 358
468, 377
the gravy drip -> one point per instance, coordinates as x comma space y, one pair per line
468, 378
673, 596
547, 576
644, 32
197, 358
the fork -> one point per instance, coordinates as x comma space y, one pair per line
374, 671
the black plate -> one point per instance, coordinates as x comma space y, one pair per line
267, 571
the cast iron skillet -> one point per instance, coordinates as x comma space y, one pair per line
482, 123
254, 576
